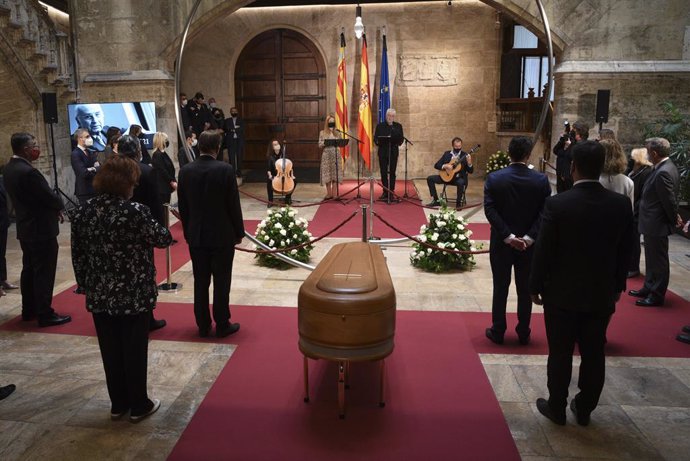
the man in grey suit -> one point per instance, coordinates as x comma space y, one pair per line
658, 216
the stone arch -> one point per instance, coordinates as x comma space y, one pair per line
523, 11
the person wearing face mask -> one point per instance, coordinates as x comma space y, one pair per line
451, 157
38, 211
199, 114
191, 141
274, 153
388, 136
330, 171
184, 112
85, 165
163, 168
234, 139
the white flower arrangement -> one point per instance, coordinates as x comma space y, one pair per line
444, 230
497, 161
272, 231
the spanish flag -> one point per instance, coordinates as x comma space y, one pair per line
364, 130
341, 115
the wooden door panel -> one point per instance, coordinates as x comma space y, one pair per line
301, 88
280, 82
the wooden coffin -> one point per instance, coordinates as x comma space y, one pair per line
346, 307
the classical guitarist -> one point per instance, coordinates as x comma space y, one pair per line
454, 165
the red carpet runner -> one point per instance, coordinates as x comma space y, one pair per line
439, 403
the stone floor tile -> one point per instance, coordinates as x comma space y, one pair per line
667, 429
526, 430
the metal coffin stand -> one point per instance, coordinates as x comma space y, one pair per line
346, 312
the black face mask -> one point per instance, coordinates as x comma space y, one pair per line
457, 151
234, 114
331, 124
167, 143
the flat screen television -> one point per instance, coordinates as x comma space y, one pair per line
97, 117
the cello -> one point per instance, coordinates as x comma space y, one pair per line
284, 180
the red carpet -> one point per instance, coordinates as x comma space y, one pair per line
406, 216
439, 403
633, 332
480, 230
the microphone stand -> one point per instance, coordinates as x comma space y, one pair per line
387, 183
359, 194
407, 141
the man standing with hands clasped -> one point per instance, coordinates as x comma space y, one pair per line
513, 201
579, 271
212, 221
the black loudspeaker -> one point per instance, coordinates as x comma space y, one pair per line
50, 110
603, 97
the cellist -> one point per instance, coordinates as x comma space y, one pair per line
272, 156
460, 179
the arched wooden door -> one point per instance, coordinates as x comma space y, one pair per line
280, 88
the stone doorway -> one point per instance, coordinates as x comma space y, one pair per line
280, 88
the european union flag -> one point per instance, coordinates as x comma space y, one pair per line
384, 84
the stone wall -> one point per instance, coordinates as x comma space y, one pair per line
456, 97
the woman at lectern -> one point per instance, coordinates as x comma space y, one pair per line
330, 169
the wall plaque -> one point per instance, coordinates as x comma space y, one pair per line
428, 70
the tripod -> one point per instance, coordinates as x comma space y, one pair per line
407, 141
56, 187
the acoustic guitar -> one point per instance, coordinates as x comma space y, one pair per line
456, 166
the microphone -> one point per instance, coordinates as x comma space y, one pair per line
408, 141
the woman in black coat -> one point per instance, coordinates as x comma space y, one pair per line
112, 254
163, 168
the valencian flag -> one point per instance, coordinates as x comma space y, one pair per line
364, 130
341, 114
384, 85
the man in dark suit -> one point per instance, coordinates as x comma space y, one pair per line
190, 139
85, 165
38, 210
199, 114
513, 200
579, 270
658, 215
388, 136
234, 140
146, 193
460, 178
212, 220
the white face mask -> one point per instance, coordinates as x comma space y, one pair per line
213, 105
194, 142
88, 142
184, 102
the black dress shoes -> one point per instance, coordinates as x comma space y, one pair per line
582, 419
545, 409
55, 319
433, 203
523, 336
5, 391
232, 328
683, 338
157, 324
204, 332
632, 274
648, 302
494, 336
686, 329
638, 293
5, 285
